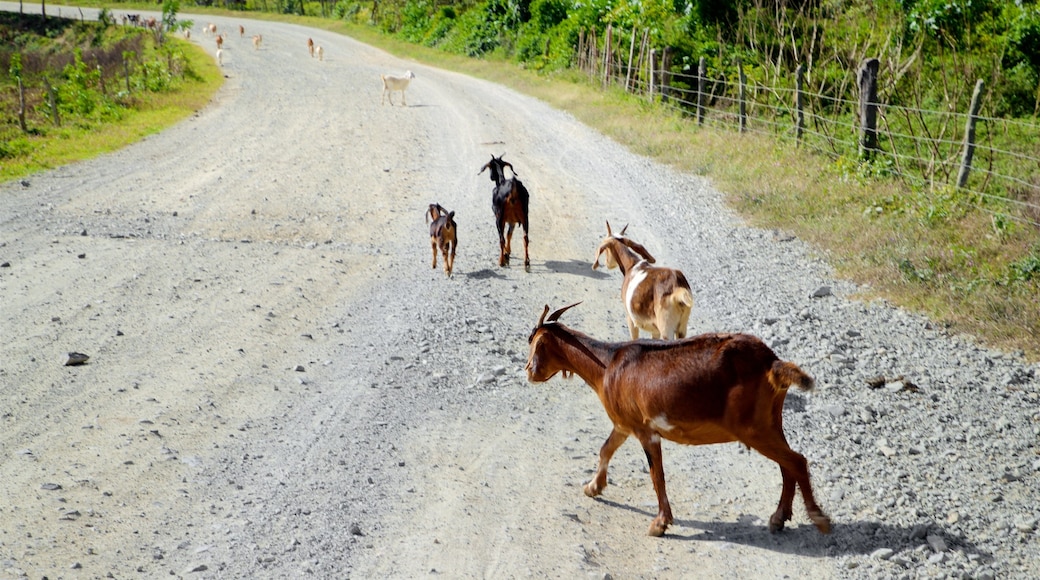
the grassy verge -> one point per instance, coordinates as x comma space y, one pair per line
935, 253
153, 112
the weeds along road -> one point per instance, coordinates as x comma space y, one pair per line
279, 384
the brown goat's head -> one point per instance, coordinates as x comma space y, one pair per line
609, 248
540, 359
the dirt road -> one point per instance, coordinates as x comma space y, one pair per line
280, 385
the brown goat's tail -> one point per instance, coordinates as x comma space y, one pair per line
683, 297
784, 374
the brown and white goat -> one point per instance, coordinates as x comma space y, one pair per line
712, 388
310, 46
656, 299
510, 201
443, 235
257, 40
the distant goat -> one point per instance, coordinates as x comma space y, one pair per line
509, 200
220, 56
712, 388
393, 83
657, 300
310, 46
257, 39
320, 52
241, 31
220, 41
443, 235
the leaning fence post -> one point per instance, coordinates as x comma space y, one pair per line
867, 77
799, 105
701, 73
742, 93
969, 135
53, 99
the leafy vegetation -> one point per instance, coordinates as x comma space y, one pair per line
68, 79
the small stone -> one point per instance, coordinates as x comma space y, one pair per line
355, 530
76, 359
936, 542
299, 368
822, 292
50, 486
882, 553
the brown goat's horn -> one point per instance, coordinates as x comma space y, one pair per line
541, 320
623, 230
556, 315
609, 233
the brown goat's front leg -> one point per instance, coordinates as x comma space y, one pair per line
599, 481
433, 246
652, 447
503, 248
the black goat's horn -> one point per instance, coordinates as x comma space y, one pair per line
556, 315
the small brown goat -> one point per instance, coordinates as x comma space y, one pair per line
712, 388
310, 46
241, 31
443, 235
656, 299
510, 201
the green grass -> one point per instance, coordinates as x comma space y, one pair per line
152, 113
932, 252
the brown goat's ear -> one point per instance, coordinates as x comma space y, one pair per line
556, 315
639, 249
541, 320
599, 252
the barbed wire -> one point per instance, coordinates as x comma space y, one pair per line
928, 141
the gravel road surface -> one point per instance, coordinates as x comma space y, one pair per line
279, 384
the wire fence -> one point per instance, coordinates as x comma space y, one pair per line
926, 149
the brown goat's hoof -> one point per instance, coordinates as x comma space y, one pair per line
776, 523
591, 490
822, 522
657, 529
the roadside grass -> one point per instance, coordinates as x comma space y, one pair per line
966, 264
153, 112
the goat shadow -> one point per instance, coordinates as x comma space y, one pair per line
846, 538
575, 267
485, 274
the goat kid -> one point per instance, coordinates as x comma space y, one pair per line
310, 46
257, 39
393, 83
320, 52
443, 235
510, 202
657, 299
712, 388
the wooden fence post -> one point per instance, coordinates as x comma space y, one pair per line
21, 106
53, 98
799, 125
969, 135
742, 95
607, 54
867, 77
702, 71
653, 73
631, 55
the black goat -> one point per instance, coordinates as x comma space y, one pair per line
509, 200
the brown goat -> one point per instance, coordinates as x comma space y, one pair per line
510, 201
656, 299
443, 235
310, 46
712, 388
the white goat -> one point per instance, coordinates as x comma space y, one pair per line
393, 83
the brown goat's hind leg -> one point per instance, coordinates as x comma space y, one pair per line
527, 258
599, 481
783, 510
433, 246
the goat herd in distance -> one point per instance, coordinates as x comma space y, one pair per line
706, 389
